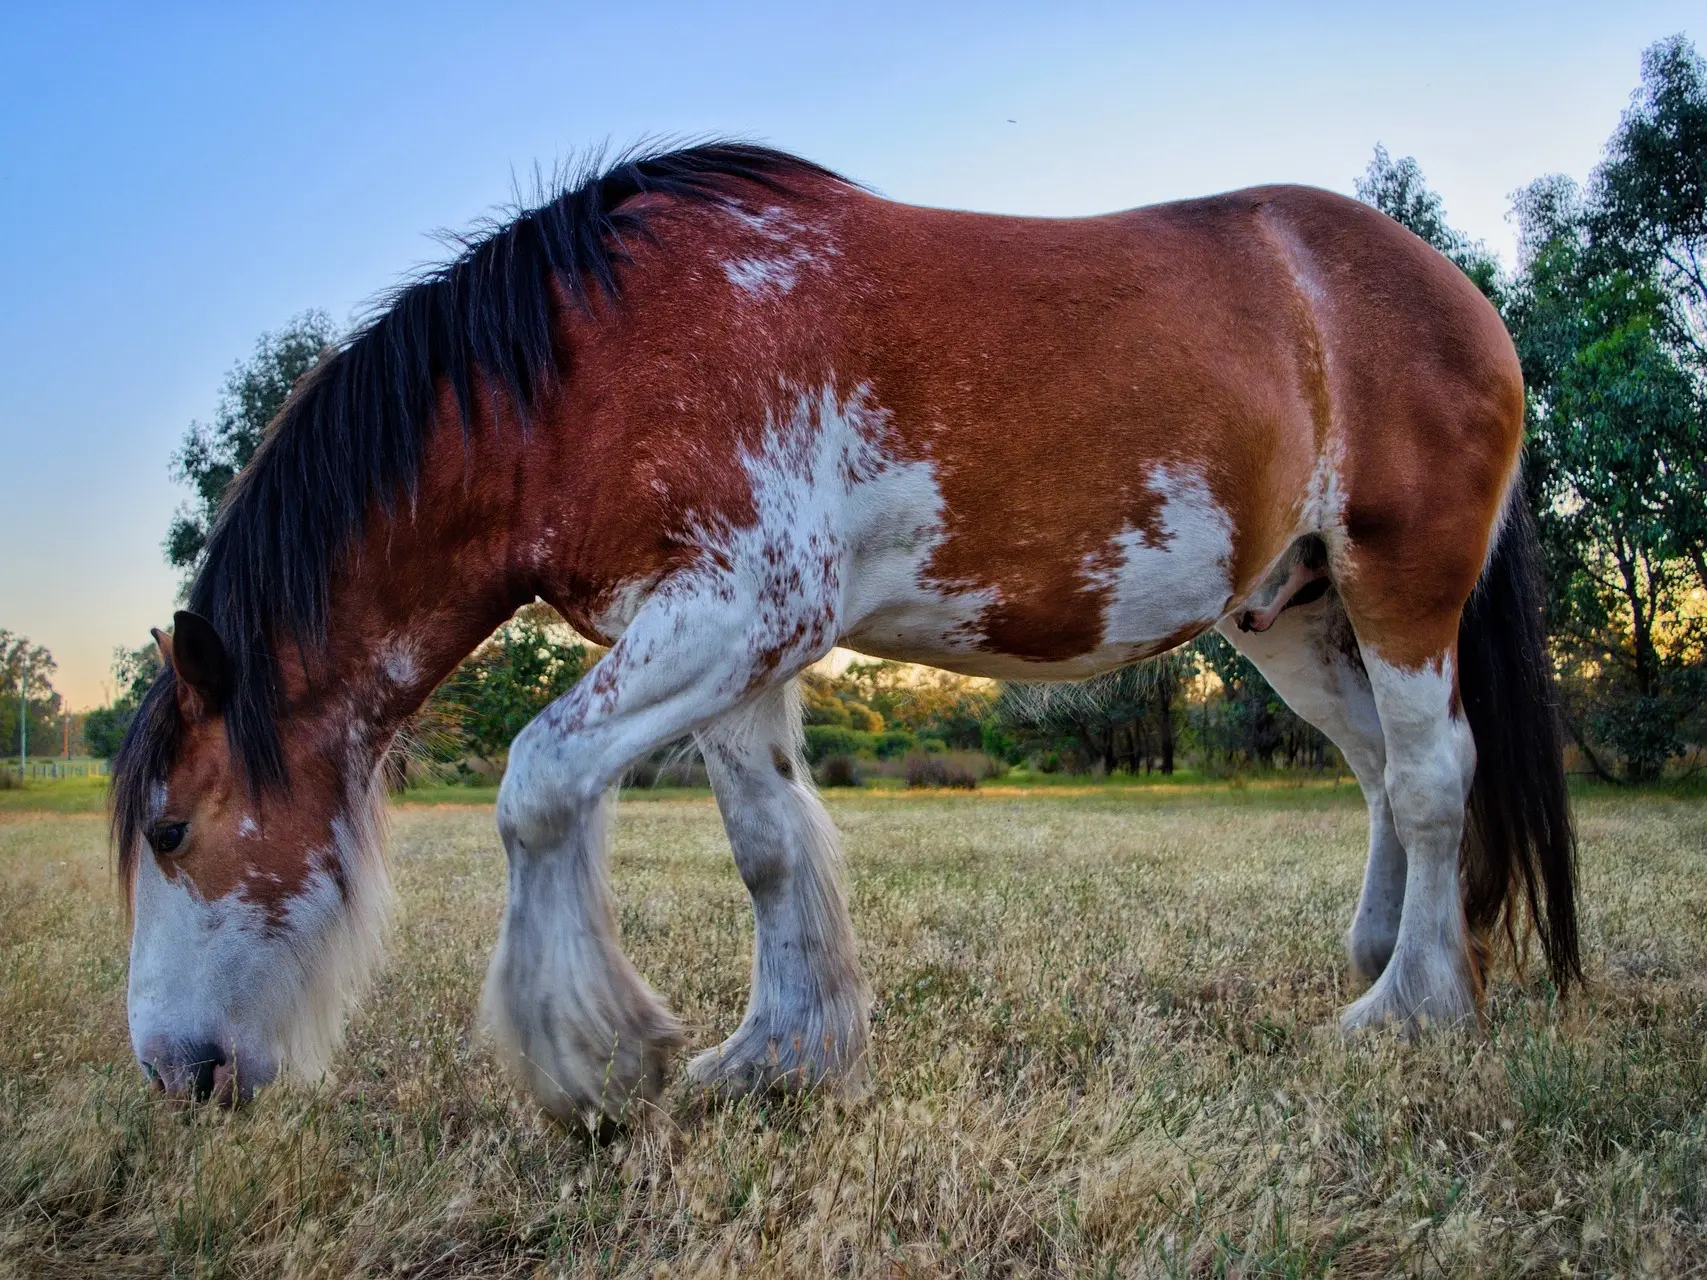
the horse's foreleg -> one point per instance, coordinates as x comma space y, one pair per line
806, 1018
579, 1025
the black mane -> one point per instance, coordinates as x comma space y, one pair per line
356, 429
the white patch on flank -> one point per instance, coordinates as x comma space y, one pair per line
1165, 584
845, 534
247, 828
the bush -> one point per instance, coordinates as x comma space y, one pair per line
826, 740
951, 771
666, 773
893, 743
840, 771
104, 728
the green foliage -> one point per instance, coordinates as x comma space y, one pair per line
1397, 188
26, 672
840, 771
254, 392
504, 684
133, 671
1249, 723
826, 740
1607, 318
1125, 719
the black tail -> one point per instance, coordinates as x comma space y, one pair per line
1519, 845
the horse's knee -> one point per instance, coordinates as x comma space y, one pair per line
543, 789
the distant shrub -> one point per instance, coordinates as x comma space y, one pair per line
10, 781
939, 771
826, 740
667, 773
840, 771
893, 743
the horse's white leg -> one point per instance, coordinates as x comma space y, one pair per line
578, 1024
1311, 658
1431, 762
806, 1018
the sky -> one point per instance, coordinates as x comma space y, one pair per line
174, 180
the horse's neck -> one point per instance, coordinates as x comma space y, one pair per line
426, 586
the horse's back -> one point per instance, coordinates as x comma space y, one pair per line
1089, 438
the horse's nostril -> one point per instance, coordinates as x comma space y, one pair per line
203, 1061
187, 1072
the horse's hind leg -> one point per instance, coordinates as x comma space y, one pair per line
1404, 591
1311, 658
806, 1018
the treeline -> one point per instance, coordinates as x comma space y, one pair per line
1607, 305
31, 711
1608, 309
1203, 705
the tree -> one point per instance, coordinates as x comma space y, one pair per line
510, 679
133, 671
1250, 723
254, 392
1397, 188
1122, 719
1647, 219
26, 684
1607, 319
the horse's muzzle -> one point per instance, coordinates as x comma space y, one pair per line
193, 1073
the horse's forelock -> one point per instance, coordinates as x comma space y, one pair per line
145, 757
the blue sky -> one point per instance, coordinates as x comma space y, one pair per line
175, 180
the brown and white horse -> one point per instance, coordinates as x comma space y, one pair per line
724, 410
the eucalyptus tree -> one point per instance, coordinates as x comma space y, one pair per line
213, 453
1608, 316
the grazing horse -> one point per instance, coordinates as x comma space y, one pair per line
724, 409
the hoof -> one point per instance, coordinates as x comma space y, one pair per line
757, 1060
1412, 999
584, 1063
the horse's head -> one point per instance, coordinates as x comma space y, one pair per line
256, 910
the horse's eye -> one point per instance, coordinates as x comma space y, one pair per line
166, 837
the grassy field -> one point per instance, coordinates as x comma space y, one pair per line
1099, 1048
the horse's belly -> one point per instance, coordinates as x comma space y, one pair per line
1142, 593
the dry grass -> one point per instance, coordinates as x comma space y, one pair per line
1096, 1050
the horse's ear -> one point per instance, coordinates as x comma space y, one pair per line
197, 655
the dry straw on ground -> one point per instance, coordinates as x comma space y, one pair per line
1097, 1050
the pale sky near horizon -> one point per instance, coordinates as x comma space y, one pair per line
176, 179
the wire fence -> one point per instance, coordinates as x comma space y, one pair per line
48, 769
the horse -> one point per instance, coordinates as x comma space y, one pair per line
725, 409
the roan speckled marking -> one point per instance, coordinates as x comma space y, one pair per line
724, 410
